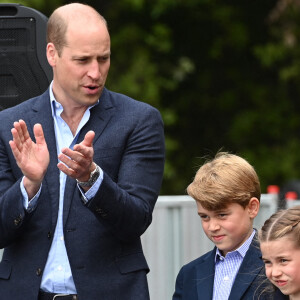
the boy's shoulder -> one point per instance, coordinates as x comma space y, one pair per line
208, 258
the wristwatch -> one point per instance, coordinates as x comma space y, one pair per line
93, 177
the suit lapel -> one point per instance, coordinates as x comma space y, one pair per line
42, 114
250, 268
99, 118
205, 276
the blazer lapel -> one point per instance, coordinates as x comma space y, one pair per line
99, 118
205, 276
42, 114
250, 268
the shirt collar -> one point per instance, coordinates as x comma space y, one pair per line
56, 107
242, 250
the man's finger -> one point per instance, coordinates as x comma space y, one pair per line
39, 134
25, 134
88, 139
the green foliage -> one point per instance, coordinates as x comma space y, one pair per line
218, 75
46, 7
224, 75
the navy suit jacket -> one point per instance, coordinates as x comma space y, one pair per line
196, 279
103, 237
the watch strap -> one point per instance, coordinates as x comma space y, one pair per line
93, 178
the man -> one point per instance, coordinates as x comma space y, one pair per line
80, 177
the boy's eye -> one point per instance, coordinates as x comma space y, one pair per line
203, 217
222, 215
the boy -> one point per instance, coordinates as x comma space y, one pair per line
227, 193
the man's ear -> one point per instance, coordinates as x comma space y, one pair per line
51, 54
253, 207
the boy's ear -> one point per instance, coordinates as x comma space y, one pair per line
253, 207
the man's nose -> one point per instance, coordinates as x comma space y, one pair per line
94, 70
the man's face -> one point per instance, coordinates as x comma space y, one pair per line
81, 70
227, 228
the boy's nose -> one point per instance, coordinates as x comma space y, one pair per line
213, 226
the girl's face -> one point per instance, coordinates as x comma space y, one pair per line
282, 263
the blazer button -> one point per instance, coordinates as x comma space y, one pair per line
49, 235
38, 271
101, 212
18, 220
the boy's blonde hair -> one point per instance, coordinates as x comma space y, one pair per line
283, 223
226, 179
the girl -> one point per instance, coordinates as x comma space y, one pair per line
280, 247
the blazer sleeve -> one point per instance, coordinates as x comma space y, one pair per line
178, 286
12, 213
127, 196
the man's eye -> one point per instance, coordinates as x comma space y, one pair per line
104, 58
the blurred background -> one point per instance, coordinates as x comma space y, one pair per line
224, 75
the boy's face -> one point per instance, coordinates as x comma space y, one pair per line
229, 228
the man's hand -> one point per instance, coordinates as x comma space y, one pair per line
78, 163
32, 158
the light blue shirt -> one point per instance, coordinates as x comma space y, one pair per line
226, 269
57, 275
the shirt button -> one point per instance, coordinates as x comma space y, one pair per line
226, 278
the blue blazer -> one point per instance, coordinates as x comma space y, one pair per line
103, 237
196, 279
